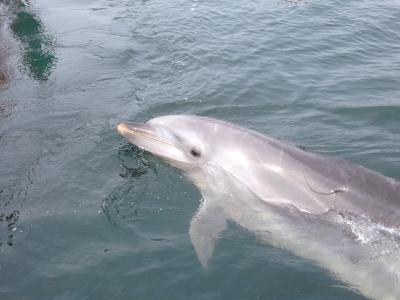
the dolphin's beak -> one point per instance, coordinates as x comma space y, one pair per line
155, 140
124, 127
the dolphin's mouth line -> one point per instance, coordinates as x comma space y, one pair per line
123, 127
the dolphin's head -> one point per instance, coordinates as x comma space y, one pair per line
184, 141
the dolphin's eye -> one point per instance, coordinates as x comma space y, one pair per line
194, 152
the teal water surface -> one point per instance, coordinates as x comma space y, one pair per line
84, 215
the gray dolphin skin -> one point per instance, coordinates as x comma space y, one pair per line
340, 215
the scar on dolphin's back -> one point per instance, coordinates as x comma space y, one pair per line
331, 192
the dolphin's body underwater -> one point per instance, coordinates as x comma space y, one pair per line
338, 214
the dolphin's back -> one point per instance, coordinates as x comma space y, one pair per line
331, 182
354, 186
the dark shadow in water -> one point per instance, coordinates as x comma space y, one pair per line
121, 204
146, 196
9, 215
38, 47
6, 108
11, 198
133, 161
10, 219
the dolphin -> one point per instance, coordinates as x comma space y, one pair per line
341, 215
